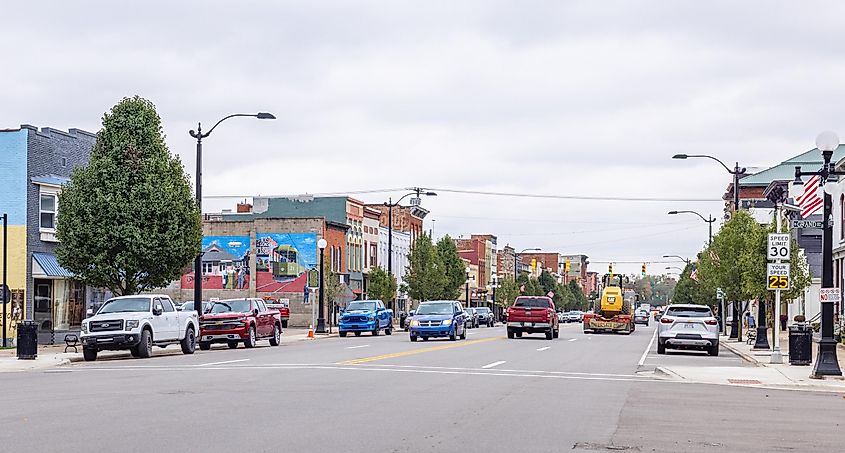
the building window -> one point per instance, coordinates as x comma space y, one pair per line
207, 267
48, 211
842, 216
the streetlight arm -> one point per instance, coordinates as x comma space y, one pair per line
711, 157
224, 119
693, 212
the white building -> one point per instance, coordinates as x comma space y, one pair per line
401, 250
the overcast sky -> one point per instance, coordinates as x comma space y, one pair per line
554, 97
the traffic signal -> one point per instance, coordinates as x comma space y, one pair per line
533, 264
566, 266
643, 270
610, 268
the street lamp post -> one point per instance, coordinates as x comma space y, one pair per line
5, 288
737, 172
467, 288
680, 271
390, 205
321, 317
515, 255
826, 361
199, 135
678, 257
709, 220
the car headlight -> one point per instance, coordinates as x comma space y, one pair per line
131, 324
371, 318
447, 322
414, 322
84, 327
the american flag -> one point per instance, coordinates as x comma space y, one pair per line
811, 202
693, 273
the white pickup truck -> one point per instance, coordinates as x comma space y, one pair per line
137, 323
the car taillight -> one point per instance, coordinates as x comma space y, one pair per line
666, 320
711, 322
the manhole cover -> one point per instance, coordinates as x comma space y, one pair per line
744, 381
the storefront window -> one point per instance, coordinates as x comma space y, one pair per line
43, 299
69, 304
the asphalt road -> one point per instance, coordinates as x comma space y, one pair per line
383, 394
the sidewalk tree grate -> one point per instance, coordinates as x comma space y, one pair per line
744, 381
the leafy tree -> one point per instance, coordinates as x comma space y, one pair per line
548, 282
382, 285
453, 267
643, 287
129, 221
507, 292
426, 276
579, 301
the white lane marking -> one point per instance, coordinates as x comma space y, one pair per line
543, 349
647, 349
491, 365
356, 347
572, 339
223, 363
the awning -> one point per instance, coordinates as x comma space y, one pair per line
48, 266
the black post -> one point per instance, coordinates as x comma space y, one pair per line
826, 361
710, 229
5, 264
390, 245
515, 272
321, 318
198, 259
493, 308
736, 173
734, 321
467, 285
762, 340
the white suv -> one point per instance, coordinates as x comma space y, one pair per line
137, 323
686, 326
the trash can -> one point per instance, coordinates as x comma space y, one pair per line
800, 344
27, 344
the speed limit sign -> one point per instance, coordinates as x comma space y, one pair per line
778, 247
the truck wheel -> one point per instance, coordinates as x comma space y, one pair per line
556, 333
661, 347
188, 343
518, 334
342, 333
454, 334
425, 338
464, 335
276, 338
89, 355
134, 352
550, 334
376, 330
250, 341
389, 330
357, 334
284, 324
145, 347
204, 346
231, 345
413, 338
714, 350
510, 333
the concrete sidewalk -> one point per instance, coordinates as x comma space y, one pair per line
50, 356
760, 373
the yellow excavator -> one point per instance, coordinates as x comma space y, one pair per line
612, 312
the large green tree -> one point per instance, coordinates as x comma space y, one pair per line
426, 276
453, 267
507, 292
129, 221
382, 285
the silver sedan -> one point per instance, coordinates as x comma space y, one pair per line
686, 326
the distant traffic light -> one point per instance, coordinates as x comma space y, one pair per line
566, 266
610, 268
643, 270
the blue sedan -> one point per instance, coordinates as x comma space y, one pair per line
440, 318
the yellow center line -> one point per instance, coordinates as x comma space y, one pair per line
417, 351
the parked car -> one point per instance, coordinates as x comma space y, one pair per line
283, 308
533, 314
366, 316
232, 321
575, 316
686, 326
485, 317
641, 317
439, 318
137, 323
188, 306
407, 323
561, 317
472, 318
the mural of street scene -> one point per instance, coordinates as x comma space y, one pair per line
283, 261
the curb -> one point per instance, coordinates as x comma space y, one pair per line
667, 373
745, 357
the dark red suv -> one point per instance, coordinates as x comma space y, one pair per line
234, 320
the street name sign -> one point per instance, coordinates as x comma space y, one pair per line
796, 223
830, 295
778, 276
778, 248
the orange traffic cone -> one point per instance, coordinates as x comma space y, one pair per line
311, 331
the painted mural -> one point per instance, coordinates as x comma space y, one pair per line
225, 263
282, 262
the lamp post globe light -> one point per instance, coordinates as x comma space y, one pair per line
826, 363
199, 135
321, 317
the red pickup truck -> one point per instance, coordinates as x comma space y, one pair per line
283, 307
232, 321
533, 314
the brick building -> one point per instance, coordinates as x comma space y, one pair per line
407, 219
34, 164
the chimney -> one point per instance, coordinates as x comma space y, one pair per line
244, 207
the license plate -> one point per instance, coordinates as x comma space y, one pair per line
528, 324
689, 326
